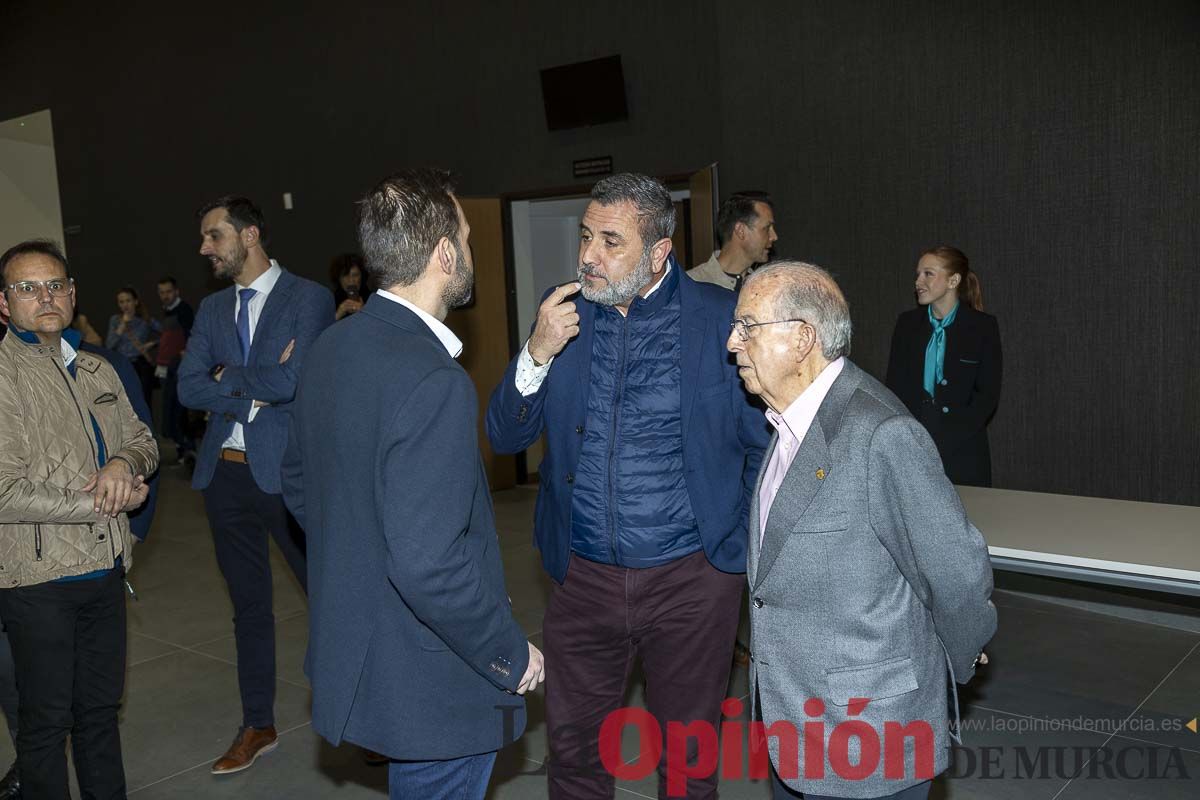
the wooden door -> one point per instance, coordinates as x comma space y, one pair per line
704, 202
483, 325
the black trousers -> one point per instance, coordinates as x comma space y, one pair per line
241, 517
145, 373
68, 644
9, 700
174, 415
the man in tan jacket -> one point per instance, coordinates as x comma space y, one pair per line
746, 228
73, 461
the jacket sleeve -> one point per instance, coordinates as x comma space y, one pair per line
137, 445
514, 421
140, 518
291, 474
965, 421
431, 450
917, 516
272, 382
23, 500
197, 389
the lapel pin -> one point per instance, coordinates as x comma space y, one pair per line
820, 474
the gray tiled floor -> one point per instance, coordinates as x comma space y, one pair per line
1050, 662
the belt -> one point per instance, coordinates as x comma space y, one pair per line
236, 456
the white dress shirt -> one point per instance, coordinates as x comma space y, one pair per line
529, 375
452, 343
262, 286
792, 426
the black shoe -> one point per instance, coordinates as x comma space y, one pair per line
10, 785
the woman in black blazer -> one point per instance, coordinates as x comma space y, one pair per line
945, 364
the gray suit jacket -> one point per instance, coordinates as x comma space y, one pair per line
870, 583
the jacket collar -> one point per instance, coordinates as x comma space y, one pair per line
805, 477
402, 317
35, 347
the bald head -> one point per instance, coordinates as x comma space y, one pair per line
805, 291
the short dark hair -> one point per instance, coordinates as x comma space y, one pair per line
242, 213
400, 222
655, 209
45, 247
739, 207
170, 280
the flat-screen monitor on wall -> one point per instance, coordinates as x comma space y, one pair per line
586, 93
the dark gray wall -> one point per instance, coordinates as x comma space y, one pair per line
1056, 143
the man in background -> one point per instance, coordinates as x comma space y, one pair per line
746, 229
176, 327
241, 366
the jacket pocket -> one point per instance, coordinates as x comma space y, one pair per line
833, 523
37, 542
877, 681
428, 640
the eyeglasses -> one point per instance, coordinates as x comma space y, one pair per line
742, 328
31, 290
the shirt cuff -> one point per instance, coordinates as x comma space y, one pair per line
529, 375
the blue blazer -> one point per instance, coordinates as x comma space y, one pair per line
296, 308
413, 650
724, 434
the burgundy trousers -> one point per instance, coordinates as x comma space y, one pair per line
680, 618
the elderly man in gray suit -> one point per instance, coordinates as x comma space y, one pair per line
869, 586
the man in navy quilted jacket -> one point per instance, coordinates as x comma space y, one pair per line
653, 449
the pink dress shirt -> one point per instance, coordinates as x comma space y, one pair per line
791, 427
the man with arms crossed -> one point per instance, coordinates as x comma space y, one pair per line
413, 650
868, 584
241, 366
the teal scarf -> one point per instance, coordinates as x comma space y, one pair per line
935, 351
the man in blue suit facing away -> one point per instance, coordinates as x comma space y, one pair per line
241, 366
652, 451
413, 650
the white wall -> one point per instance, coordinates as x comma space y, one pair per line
29, 203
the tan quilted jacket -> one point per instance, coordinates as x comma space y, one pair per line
48, 528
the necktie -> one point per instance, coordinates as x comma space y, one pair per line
243, 322
935, 351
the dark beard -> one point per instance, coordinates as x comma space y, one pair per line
459, 290
232, 269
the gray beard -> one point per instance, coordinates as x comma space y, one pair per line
622, 291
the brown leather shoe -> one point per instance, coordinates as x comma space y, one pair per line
246, 748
